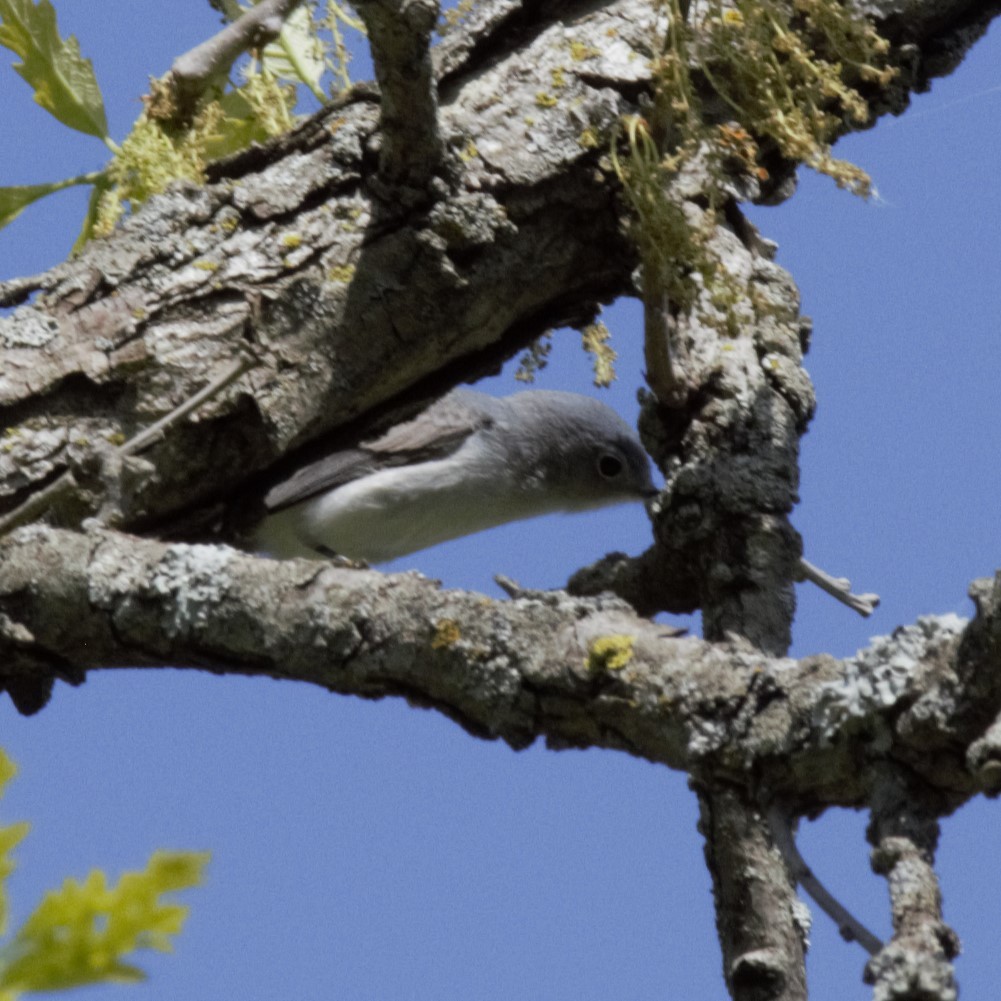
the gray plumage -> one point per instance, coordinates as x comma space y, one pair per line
468, 462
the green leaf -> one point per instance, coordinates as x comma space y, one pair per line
297, 53
14, 200
63, 81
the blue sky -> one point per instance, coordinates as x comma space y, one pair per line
373, 851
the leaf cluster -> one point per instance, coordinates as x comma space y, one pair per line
787, 72
255, 102
83, 932
595, 339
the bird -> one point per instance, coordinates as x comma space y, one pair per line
469, 462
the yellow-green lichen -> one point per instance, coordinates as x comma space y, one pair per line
545, 100
341, 273
446, 634
579, 51
610, 653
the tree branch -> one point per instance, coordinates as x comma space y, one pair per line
199, 67
761, 927
399, 33
916, 965
581, 673
361, 301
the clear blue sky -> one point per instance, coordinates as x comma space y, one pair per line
372, 851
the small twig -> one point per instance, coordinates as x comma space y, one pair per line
903, 832
38, 503
662, 352
198, 67
510, 586
399, 33
851, 929
839, 588
155, 431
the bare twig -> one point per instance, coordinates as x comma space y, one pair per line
851, 929
198, 67
38, 503
66, 483
663, 351
839, 588
155, 431
399, 33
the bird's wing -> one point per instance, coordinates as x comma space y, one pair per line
433, 434
324, 474
439, 430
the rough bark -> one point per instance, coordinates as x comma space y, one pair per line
580, 672
383, 251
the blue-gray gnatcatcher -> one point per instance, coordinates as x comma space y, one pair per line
468, 462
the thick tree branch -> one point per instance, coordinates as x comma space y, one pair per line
578, 672
762, 928
296, 251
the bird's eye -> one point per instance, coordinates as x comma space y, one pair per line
610, 466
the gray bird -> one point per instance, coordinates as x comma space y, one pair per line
468, 462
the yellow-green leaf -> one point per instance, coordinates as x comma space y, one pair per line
63, 81
14, 200
297, 53
83, 932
